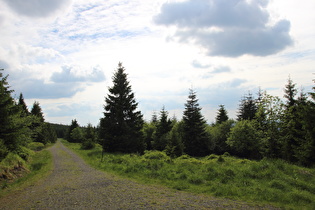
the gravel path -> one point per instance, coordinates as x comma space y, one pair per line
75, 185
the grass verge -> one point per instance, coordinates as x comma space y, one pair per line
37, 167
264, 182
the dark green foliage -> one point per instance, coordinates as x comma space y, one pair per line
243, 139
41, 131
291, 124
267, 123
77, 135
23, 106
195, 138
50, 135
163, 126
61, 130
175, 146
120, 129
88, 142
37, 111
14, 131
148, 131
247, 108
219, 134
221, 115
74, 124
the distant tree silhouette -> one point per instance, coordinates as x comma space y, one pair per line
37, 111
22, 105
221, 115
247, 108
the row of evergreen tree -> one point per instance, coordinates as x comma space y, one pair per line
19, 126
266, 126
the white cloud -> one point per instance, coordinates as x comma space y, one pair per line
226, 28
71, 74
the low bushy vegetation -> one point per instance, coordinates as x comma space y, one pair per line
17, 173
266, 181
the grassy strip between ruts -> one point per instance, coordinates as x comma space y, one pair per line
38, 166
264, 182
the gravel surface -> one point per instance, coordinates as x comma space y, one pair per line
75, 185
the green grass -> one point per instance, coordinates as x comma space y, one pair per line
264, 182
38, 166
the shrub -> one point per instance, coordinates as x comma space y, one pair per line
36, 146
212, 156
87, 144
24, 153
3, 150
184, 157
220, 159
155, 155
226, 154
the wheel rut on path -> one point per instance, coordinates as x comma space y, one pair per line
75, 185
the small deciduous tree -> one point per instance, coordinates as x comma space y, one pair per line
243, 139
219, 134
77, 135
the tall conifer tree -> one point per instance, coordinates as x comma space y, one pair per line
195, 140
222, 115
290, 125
247, 108
13, 129
22, 105
120, 129
164, 125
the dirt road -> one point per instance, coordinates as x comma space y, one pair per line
75, 185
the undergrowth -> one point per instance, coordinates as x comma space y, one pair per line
17, 173
267, 181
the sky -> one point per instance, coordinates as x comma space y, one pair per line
63, 53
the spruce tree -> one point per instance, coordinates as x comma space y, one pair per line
7, 108
37, 111
195, 139
290, 123
221, 115
23, 106
74, 125
164, 125
120, 129
14, 132
247, 108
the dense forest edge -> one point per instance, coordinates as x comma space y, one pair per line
267, 128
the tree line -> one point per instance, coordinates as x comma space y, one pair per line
19, 127
266, 126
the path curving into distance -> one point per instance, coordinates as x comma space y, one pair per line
75, 185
